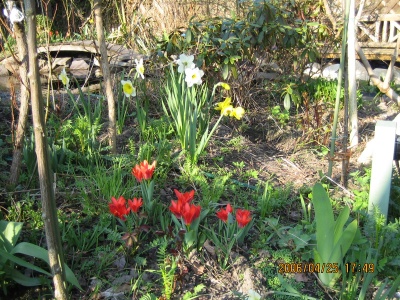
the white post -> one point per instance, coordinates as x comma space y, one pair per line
382, 165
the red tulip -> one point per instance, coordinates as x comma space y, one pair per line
243, 217
183, 198
222, 214
135, 204
118, 207
144, 170
175, 208
190, 212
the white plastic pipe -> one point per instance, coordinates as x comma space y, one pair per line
382, 166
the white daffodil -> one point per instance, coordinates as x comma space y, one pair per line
253, 295
140, 67
128, 88
193, 76
64, 78
185, 62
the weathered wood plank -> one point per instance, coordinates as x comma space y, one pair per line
370, 53
118, 55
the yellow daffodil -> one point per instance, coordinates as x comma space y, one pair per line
140, 67
224, 85
64, 78
225, 106
128, 88
237, 112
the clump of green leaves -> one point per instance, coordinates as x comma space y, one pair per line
222, 42
9, 258
333, 240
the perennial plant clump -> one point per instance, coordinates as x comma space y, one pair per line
189, 103
229, 232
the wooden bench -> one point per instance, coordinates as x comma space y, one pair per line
377, 36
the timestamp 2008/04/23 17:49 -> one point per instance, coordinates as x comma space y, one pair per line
324, 268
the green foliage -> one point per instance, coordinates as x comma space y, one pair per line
29, 154
167, 267
295, 238
211, 191
104, 181
222, 42
193, 295
189, 109
282, 116
225, 236
9, 234
384, 237
360, 201
271, 199
333, 240
87, 125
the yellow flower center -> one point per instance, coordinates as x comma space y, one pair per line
141, 69
128, 89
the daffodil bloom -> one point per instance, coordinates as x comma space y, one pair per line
185, 62
225, 106
128, 88
237, 112
224, 85
64, 78
193, 76
140, 67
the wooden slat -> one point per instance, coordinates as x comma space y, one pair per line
365, 30
370, 53
384, 31
386, 17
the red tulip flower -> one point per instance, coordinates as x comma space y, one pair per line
175, 208
183, 198
190, 212
243, 217
144, 170
118, 207
222, 214
135, 204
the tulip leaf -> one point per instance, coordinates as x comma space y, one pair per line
342, 246
325, 221
24, 280
22, 262
9, 233
340, 222
41, 253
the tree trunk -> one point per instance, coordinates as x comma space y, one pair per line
20, 38
49, 212
351, 54
112, 128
